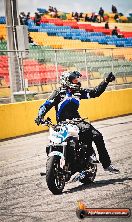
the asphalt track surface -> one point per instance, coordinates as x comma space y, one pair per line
24, 195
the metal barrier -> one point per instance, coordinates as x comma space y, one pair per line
18, 119
34, 73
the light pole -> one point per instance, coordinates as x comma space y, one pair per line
12, 20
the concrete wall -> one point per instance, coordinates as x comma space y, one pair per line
18, 119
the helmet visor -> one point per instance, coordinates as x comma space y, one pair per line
74, 75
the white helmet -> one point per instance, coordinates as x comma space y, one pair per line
67, 77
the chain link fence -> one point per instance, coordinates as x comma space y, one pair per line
34, 74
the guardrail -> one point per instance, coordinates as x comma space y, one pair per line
18, 119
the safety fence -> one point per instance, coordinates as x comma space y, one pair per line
32, 74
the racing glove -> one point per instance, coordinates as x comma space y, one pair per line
38, 120
110, 78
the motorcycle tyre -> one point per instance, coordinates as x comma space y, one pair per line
50, 175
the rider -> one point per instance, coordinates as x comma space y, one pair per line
66, 100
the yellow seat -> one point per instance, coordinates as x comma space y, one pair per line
50, 87
95, 82
3, 82
69, 16
3, 32
85, 83
5, 92
33, 88
95, 75
119, 80
129, 79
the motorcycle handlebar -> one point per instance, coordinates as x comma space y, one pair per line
48, 121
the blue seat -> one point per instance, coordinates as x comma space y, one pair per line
41, 10
33, 29
2, 20
69, 33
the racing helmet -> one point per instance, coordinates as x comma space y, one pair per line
67, 77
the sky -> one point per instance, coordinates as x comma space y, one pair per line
124, 6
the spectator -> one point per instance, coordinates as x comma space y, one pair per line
120, 14
72, 14
114, 9
76, 16
22, 18
55, 13
1, 38
115, 32
87, 19
94, 17
27, 18
107, 25
116, 17
81, 15
101, 13
31, 40
37, 18
55, 10
50, 9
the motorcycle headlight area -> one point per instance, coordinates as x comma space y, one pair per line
73, 130
55, 139
58, 135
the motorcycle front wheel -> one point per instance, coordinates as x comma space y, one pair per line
54, 175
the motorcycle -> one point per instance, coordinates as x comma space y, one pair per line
67, 155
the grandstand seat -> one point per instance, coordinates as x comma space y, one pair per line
119, 80
51, 76
95, 82
76, 35
72, 24
47, 87
41, 10
2, 20
85, 83
5, 92
127, 34
96, 75
7, 80
3, 82
129, 79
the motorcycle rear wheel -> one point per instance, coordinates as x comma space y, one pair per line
54, 175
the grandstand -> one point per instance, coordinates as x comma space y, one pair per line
63, 44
